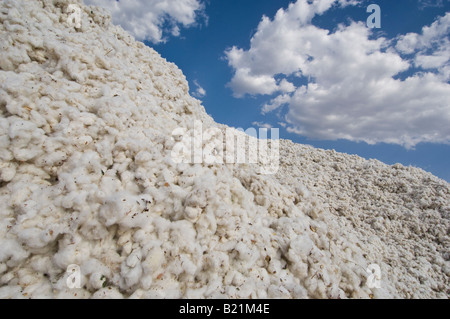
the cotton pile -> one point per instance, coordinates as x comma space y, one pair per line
87, 178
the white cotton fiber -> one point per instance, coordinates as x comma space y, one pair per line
11, 252
89, 119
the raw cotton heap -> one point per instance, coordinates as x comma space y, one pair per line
87, 179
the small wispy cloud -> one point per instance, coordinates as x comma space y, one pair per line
262, 125
430, 3
199, 92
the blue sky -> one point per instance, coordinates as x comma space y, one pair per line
314, 69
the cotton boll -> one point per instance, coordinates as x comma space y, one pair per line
38, 119
12, 291
246, 253
107, 293
12, 253
97, 280
134, 259
54, 158
188, 265
261, 281
27, 277
137, 220
93, 229
195, 293
70, 253
22, 131
217, 260
192, 213
215, 287
109, 183
128, 182
175, 267
26, 139
299, 250
206, 224
116, 207
5, 154
23, 155
350, 281
154, 260
43, 265
9, 278
33, 237
146, 282
278, 292
143, 157
197, 198
125, 237
141, 236
166, 288
3, 268
238, 279
300, 247
297, 291
40, 289
7, 172
61, 291
95, 266
131, 270
303, 191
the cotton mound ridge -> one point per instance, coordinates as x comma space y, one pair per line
87, 179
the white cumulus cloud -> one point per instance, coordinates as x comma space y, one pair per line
356, 88
152, 20
431, 48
